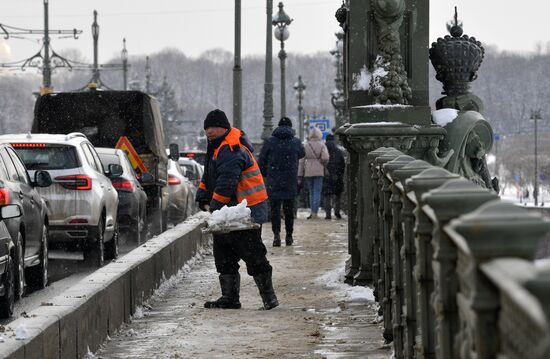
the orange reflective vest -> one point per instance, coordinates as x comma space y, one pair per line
251, 184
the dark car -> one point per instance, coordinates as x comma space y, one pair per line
132, 199
29, 231
7, 261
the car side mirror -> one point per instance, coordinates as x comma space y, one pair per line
146, 178
174, 151
115, 170
10, 211
42, 179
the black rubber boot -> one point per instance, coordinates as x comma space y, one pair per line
288, 239
276, 240
230, 285
263, 281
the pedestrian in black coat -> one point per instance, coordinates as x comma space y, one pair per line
333, 182
279, 165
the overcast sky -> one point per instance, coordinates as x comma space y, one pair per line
199, 25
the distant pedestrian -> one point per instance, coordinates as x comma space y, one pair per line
333, 182
231, 175
279, 165
312, 168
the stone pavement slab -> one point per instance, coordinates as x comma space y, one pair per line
319, 316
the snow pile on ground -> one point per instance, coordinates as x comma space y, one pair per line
21, 332
230, 219
444, 116
335, 279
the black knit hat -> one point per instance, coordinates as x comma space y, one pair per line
216, 118
285, 121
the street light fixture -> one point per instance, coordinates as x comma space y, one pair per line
535, 116
337, 96
124, 57
281, 20
95, 35
300, 89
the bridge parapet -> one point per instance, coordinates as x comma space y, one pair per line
439, 245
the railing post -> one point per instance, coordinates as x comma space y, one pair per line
421, 183
495, 230
465, 197
396, 237
372, 218
385, 219
408, 254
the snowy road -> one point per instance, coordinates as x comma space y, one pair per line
64, 273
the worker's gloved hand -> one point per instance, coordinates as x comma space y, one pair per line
203, 206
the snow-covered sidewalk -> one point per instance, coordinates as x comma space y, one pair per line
319, 316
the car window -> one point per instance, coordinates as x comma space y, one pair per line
98, 163
109, 159
48, 157
19, 167
128, 169
3, 173
89, 156
10, 167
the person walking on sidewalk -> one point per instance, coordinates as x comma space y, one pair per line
279, 164
312, 168
333, 182
231, 175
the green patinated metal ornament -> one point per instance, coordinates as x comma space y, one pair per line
388, 84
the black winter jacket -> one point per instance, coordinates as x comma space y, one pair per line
221, 175
279, 163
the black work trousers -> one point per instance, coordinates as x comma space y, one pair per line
335, 199
247, 245
288, 210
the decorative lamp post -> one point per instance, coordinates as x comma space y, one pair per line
95, 35
300, 88
337, 96
268, 84
535, 117
124, 57
281, 20
147, 75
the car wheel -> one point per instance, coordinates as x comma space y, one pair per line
111, 247
95, 250
8, 299
20, 283
39, 274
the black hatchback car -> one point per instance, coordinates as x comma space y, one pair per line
29, 231
132, 199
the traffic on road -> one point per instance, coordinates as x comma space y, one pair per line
93, 179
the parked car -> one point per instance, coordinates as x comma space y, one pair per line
82, 202
7, 260
197, 155
181, 192
29, 231
193, 170
132, 199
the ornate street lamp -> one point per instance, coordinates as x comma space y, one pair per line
147, 75
337, 96
281, 21
95, 35
124, 57
300, 88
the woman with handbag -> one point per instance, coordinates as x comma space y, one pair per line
312, 168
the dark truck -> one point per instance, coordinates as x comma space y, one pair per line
104, 117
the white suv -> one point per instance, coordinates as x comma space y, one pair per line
82, 203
